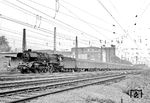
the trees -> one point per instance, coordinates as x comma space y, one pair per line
4, 46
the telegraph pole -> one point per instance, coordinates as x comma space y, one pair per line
24, 46
76, 49
76, 52
121, 100
54, 39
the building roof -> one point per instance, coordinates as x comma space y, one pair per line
112, 46
86, 47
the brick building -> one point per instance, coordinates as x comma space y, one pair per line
89, 53
108, 53
103, 54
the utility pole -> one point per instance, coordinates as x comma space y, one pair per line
136, 59
24, 41
76, 52
54, 40
121, 100
76, 49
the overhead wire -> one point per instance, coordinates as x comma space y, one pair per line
19, 8
115, 20
81, 32
23, 23
16, 21
20, 34
74, 17
32, 37
19, 21
32, 25
87, 12
70, 15
89, 24
111, 15
20, 40
67, 15
145, 9
11, 31
59, 36
31, 14
30, 42
50, 8
113, 6
26, 11
16, 32
39, 33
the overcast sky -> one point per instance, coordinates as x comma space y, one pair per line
91, 20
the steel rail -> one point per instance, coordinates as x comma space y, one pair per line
42, 81
30, 76
56, 85
68, 88
52, 86
2, 93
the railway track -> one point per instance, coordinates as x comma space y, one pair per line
31, 92
15, 77
28, 76
33, 76
14, 84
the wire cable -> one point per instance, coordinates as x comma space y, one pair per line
74, 17
111, 15
31, 13
86, 12
82, 32
113, 6
116, 22
50, 8
89, 24
20, 34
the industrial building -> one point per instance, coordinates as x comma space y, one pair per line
103, 54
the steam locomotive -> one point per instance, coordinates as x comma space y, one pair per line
38, 62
